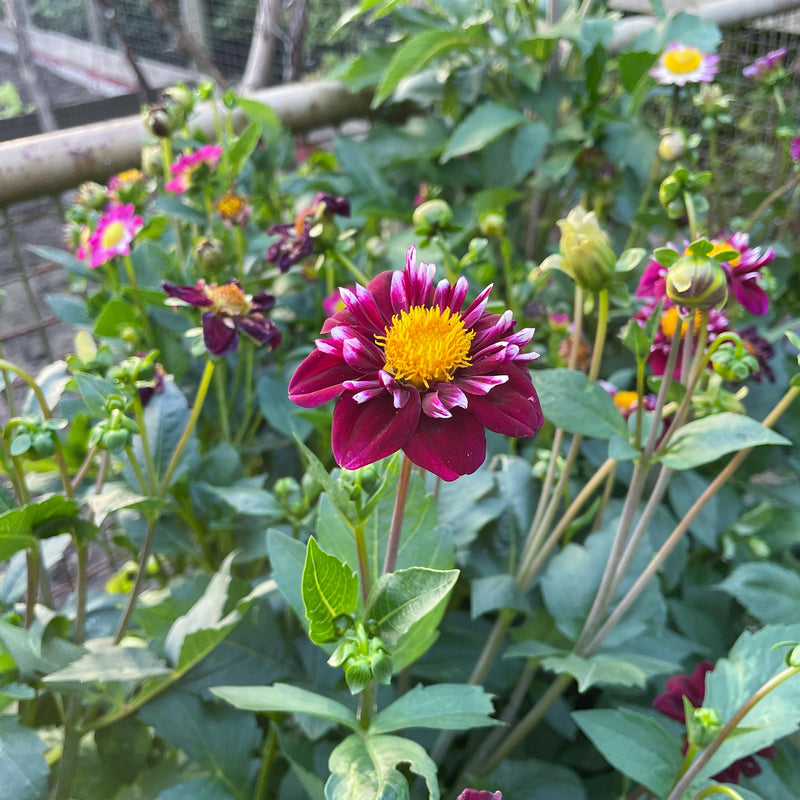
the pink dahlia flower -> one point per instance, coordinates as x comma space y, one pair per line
693, 688
415, 371
113, 235
184, 168
794, 148
680, 64
479, 794
762, 69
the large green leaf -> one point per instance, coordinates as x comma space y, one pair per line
552, 782
497, 591
704, 440
413, 55
751, 663
110, 664
22, 527
399, 599
570, 401
770, 592
23, 769
287, 557
286, 699
199, 789
364, 768
444, 706
482, 125
330, 588
635, 744
281, 413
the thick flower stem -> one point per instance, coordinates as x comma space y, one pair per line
138, 414
268, 752
137, 298
220, 389
33, 564
600, 335
727, 729
396, 527
363, 561
350, 266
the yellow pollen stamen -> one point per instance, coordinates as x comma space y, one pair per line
426, 345
687, 59
230, 205
669, 321
130, 176
228, 298
113, 234
625, 399
721, 247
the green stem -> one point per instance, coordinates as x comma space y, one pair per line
691, 213
350, 266
600, 335
220, 389
768, 201
32, 556
138, 413
81, 550
633, 236
137, 298
268, 752
396, 526
363, 561
137, 470
727, 729
639, 402
84, 468
716, 205
69, 755
366, 708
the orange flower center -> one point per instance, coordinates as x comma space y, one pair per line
130, 176
426, 345
228, 299
230, 205
686, 59
669, 322
113, 234
624, 400
721, 247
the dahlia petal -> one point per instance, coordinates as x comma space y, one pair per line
365, 433
480, 384
750, 295
652, 283
358, 386
451, 395
219, 334
497, 330
193, 295
432, 406
476, 308
319, 378
263, 330
358, 356
329, 346
449, 448
380, 287
398, 293
368, 394
400, 396
512, 408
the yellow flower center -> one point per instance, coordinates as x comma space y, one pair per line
624, 400
687, 59
130, 176
230, 205
669, 321
426, 345
113, 234
721, 247
228, 299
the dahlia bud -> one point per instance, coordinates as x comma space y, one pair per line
43, 444
158, 121
209, 253
91, 195
153, 159
357, 674
696, 281
431, 216
672, 145
586, 253
381, 665
180, 96
493, 224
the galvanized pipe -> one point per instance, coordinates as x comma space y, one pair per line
53, 162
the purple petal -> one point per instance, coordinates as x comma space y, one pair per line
750, 295
476, 308
318, 379
512, 408
367, 432
194, 295
448, 448
219, 334
263, 330
652, 283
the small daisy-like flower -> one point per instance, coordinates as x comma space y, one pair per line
764, 68
127, 186
233, 209
296, 240
188, 164
680, 64
763, 352
742, 273
794, 148
693, 688
415, 371
113, 235
228, 311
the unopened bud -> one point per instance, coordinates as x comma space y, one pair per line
672, 145
382, 667
158, 121
152, 159
91, 195
358, 675
493, 224
431, 216
209, 253
180, 96
696, 281
43, 444
585, 250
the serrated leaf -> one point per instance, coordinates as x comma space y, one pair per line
482, 125
609, 669
330, 588
286, 699
704, 440
117, 498
635, 744
444, 706
399, 599
364, 768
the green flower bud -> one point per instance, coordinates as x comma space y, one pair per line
341, 624
180, 96
707, 724
115, 440
158, 121
493, 224
209, 253
357, 674
734, 364
672, 145
376, 247
670, 188
585, 251
91, 195
153, 160
696, 281
382, 667
431, 216
43, 444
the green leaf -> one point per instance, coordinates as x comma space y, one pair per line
301, 760
482, 125
397, 600
704, 440
23, 769
199, 789
286, 699
337, 493
242, 498
770, 592
243, 146
635, 744
364, 768
530, 142
330, 588
287, 557
633, 66
64, 259
444, 706
110, 664
94, 392
115, 499
573, 403
268, 121
281, 414
115, 315
22, 527
412, 56
749, 665
497, 591
553, 781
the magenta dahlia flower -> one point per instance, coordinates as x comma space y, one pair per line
680, 64
228, 311
188, 164
794, 148
762, 69
742, 272
113, 235
479, 794
412, 371
693, 688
